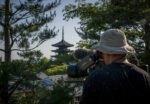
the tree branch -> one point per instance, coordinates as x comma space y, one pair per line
1, 23
2, 50
14, 87
18, 19
15, 12
29, 49
21, 6
2, 10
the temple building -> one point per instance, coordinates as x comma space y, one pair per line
62, 46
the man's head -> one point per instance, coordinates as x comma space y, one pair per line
113, 45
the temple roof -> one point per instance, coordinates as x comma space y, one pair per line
62, 43
61, 51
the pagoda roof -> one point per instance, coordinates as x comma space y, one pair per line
61, 51
62, 43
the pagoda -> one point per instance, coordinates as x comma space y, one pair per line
62, 46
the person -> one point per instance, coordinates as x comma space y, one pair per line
119, 81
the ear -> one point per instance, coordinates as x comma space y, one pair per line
100, 54
108, 55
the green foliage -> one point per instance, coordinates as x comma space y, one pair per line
86, 44
35, 57
130, 16
43, 95
87, 12
31, 55
23, 24
43, 64
62, 93
64, 59
22, 75
57, 70
16, 80
29, 92
25, 98
144, 58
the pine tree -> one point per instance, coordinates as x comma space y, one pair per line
22, 22
22, 26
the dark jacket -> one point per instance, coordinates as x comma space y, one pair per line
117, 83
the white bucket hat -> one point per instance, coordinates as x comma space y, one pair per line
114, 41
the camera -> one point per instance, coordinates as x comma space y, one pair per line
87, 63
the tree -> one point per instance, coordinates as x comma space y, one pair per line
17, 79
130, 16
134, 18
62, 92
86, 43
22, 22
91, 21
20, 76
66, 58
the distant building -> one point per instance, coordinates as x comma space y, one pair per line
62, 46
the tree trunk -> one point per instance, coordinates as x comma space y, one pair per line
4, 87
4, 84
4, 92
7, 32
7, 44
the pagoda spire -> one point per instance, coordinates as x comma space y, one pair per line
63, 33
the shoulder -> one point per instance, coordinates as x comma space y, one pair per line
138, 70
99, 74
102, 71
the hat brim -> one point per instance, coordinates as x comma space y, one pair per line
114, 50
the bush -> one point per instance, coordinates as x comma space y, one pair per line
62, 93
57, 70
144, 58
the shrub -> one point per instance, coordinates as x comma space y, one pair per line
57, 70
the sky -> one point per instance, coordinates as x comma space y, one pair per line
69, 32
